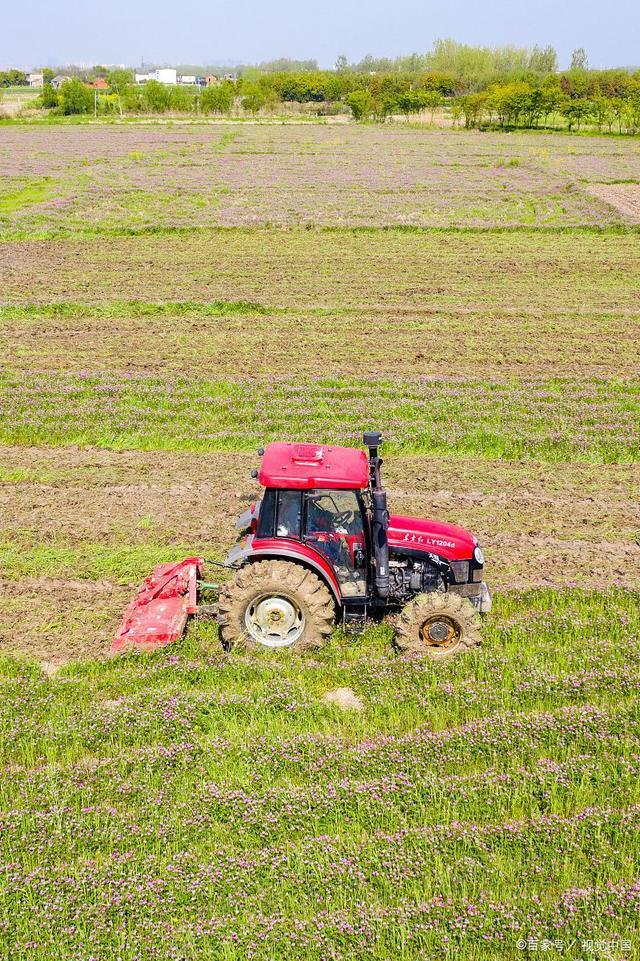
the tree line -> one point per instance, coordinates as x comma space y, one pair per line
479, 86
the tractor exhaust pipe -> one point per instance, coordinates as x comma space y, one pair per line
379, 514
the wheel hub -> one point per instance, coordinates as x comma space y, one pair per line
274, 621
440, 631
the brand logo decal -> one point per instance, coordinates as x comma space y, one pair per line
423, 539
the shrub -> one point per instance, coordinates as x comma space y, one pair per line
75, 98
218, 99
253, 99
49, 97
157, 96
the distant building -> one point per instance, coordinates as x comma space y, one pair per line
57, 82
100, 84
187, 79
211, 80
167, 75
35, 79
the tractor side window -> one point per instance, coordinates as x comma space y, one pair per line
289, 514
335, 528
267, 515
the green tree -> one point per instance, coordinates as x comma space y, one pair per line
183, 99
360, 103
415, 101
576, 112
47, 75
342, 64
552, 99
410, 103
473, 106
75, 98
384, 106
443, 83
431, 100
603, 111
632, 113
579, 59
119, 81
543, 60
17, 78
288, 65
510, 101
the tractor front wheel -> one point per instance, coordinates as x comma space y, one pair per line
438, 625
273, 604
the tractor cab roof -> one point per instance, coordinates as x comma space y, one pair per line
309, 466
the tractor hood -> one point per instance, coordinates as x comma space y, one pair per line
433, 537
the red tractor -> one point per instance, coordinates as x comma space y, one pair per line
318, 547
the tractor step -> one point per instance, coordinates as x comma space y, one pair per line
158, 613
354, 620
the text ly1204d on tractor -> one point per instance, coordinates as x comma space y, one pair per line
318, 548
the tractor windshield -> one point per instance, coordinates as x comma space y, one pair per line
335, 528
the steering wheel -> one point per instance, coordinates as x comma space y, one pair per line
343, 517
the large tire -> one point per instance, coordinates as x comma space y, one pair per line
271, 604
438, 625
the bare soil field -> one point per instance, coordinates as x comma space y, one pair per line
437, 341
624, 197
531, 273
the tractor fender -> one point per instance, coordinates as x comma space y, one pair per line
270, 547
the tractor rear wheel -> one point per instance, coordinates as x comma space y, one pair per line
438, 625
273, 604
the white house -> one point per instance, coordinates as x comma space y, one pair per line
167, 75
35, 79
187, 79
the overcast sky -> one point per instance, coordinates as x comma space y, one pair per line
40, 32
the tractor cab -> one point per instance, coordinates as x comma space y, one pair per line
314, 507
329, 521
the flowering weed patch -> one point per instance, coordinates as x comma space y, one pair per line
544, 420
136, 177
193, 804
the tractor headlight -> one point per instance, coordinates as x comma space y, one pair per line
478, 557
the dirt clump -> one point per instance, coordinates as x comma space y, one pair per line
344, 698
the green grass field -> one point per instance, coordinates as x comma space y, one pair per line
196, 805
172, 298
